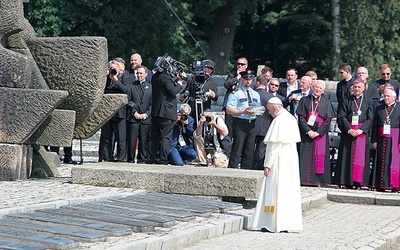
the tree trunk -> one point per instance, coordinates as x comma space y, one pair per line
336, 35
221, 38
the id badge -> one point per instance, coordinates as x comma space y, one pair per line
355, 119
181, 141
386, 129
311, 120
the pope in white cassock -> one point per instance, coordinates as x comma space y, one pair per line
279, 202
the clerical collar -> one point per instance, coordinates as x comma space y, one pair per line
391, 104
315, 97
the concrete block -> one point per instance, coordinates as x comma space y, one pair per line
172, 179
43, 166
23, 111
108, 107
56, 130
15, 162
352, 198
61, 59
387, 200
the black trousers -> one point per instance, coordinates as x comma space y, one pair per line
259, 153
161, 136
243, 144
229, 124
115, 129
137, 130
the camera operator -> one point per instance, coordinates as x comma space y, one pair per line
180, 150
209, 137
202, 87
116, 127
165, 86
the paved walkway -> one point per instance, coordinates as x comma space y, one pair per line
329, 225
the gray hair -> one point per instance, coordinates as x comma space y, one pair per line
185, 108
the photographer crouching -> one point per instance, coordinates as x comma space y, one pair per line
211, 140
180, 151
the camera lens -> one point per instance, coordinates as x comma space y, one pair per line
113, 71
208, 119
184, 117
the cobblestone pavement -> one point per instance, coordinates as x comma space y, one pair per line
329, 226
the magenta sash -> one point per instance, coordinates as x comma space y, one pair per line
395, 162
320, 150
359, 155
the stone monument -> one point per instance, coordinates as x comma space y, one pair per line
51, 91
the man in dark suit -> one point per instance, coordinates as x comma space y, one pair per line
130, 74
386, 77
262, 124
165, 87
138, 117
273, 88
291, 83
294, 97
343, 87
117, 125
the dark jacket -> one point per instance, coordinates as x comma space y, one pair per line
263, 121
141, 95
116, 88
164, 102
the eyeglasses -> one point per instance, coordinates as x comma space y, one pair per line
386, 74
341, 72
240, 64
274, 85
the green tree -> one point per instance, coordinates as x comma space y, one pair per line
370, 34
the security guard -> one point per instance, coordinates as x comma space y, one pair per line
239, 105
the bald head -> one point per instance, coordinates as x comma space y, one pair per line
305, 83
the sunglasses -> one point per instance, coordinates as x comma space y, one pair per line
275, 85
341, 72
240, 64
385, 74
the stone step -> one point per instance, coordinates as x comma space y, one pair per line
70, 226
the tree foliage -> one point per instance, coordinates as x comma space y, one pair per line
370, 34
281, 34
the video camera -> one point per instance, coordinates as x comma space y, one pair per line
170, 66
197, 80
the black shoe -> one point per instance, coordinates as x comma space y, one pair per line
264, 230
69, 161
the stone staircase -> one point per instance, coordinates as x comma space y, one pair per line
69, 226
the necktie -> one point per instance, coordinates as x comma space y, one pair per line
303, 94
249, 100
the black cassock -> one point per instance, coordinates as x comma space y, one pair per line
385, 172
314, 153
352, 167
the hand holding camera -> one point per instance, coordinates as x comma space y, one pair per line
113, 74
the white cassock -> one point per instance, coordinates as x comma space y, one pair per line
279, 202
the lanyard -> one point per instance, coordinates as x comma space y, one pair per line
389, 114
316, 106
358, 107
